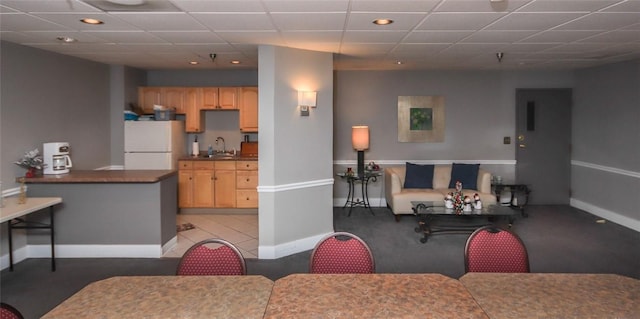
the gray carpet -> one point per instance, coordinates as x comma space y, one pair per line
558, 239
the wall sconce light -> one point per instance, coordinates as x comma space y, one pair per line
306, 99
360, 142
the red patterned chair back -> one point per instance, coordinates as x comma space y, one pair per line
9, 312
341, 253
492, 249
201, 260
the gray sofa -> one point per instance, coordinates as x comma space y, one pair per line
399, 198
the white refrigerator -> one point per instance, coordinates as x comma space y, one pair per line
153, 144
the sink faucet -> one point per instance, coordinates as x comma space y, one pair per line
219, 138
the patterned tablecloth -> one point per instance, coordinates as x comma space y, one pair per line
169, 297
371, 296
555, 295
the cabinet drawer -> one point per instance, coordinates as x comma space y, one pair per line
247, 198
226, 165
247, 165
247, 179
202, 164
185, 164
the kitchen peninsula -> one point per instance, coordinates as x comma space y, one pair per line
110, 213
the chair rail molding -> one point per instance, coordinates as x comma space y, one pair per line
606, 168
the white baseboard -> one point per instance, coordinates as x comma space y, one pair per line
87, 251
170, 244
290, 248
607, 214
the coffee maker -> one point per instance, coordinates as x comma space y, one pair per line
56, 158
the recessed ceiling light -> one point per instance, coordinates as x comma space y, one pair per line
66, 39
234, 62
398, 62
91, 21
382, 21
194, 62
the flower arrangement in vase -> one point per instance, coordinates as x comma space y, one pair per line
32, 161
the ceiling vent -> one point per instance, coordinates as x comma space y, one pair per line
133, 5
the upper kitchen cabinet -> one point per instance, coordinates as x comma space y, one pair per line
194, 121
147, 97
169, 97
220, 98
248, 106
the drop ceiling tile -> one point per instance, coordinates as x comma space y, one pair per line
235, 21
161, 21
127, 37
559, 36
374, 36
181, 37
603, 21
18, 37
312, 36
533, 21
219, 5
470, 49
49, 6
527, 47
418, 49
566, 5
315, 46
26, 22
206, 49
309, 21
420, 36
254, 37
458, 21
306, 6
575, 48
51, 36
614, 37
366, 49
4, 9
479, 6
625, 6
392, 6
72, 20
497, 36
402, 21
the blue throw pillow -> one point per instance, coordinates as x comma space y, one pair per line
467, 174
418, 176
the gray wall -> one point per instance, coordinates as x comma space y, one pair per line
48, 97
295, 174
124, 91
479, 113
606, 131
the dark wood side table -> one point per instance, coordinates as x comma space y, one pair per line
364, 185
515, 189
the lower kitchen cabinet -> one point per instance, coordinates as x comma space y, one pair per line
247, 184
207, 184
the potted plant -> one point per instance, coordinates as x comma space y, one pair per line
32, 161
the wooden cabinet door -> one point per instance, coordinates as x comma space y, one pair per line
209, 98
228, 98
185, 188
203, 188
193, 113
173, 97
248, 105
147, 97
225, 184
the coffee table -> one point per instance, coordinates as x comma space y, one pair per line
431, 217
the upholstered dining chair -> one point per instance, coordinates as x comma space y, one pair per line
212, 257
9, 312
493, 249
341, 253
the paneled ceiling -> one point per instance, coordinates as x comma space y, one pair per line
426, 34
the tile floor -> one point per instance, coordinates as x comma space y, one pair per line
240, 230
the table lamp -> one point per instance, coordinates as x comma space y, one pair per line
360, 142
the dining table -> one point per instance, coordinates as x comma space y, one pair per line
554, 295
169, 297
371, 296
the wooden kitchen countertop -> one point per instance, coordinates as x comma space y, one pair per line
103, 176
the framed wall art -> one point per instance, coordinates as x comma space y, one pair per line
421, 119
